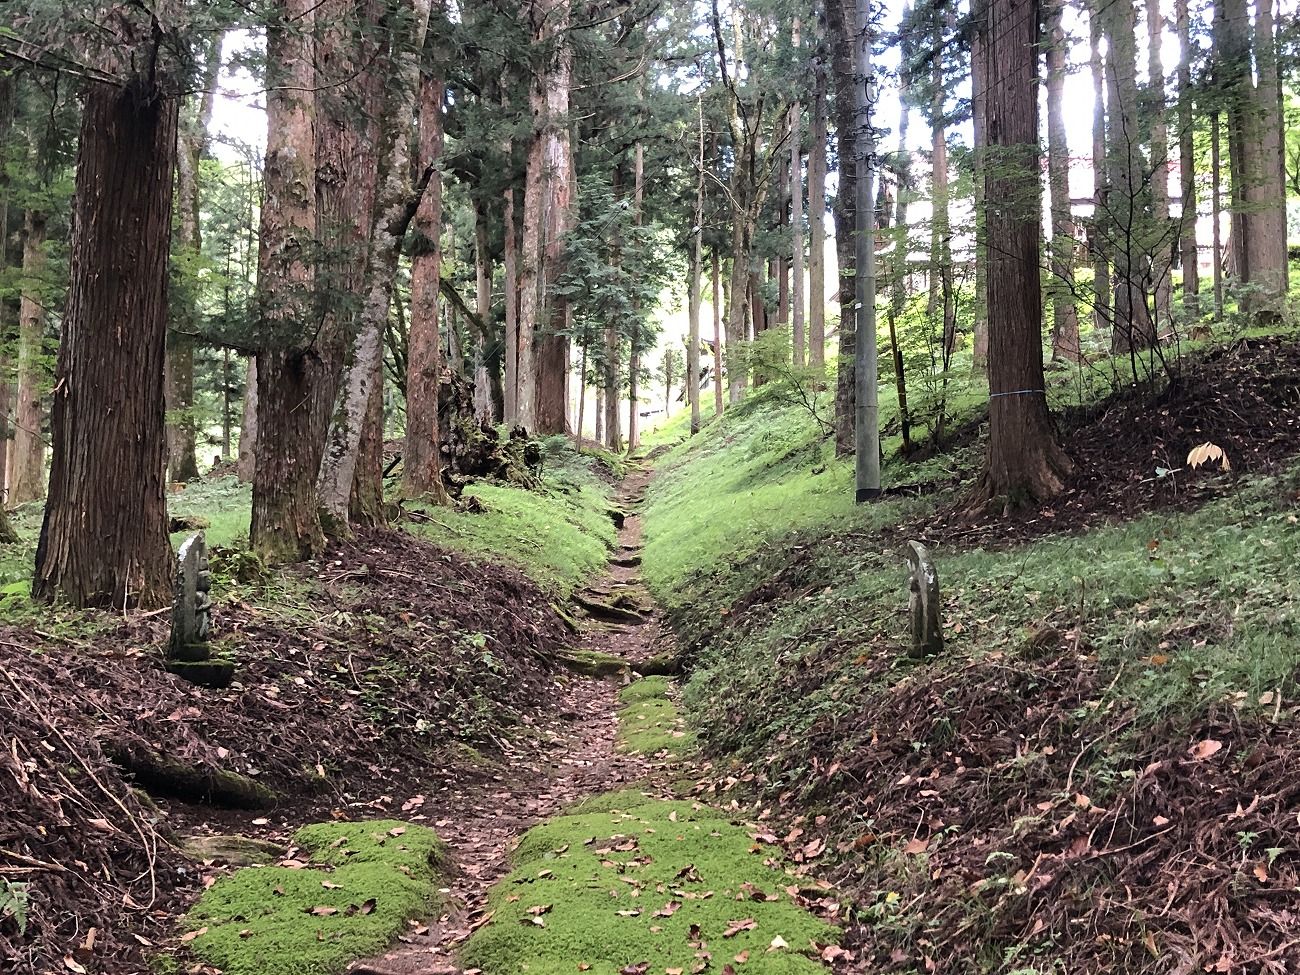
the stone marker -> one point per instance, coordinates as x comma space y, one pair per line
923, 602
189, 655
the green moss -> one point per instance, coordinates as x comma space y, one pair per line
649, 722
360, 885
559, 535
668, 866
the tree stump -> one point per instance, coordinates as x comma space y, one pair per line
923, 602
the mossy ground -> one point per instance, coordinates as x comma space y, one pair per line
626, 879
560, 534
649, 722
360, 885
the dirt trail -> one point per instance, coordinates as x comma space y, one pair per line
576, 758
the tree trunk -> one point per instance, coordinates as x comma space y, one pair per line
27, 472
797, 336
942, 294
817, 219
362, 377
693, 286
510, 341
182, 429
898, 275
1188, 254
1065, 316
1024, 459
979, 131
422, 459
1129, 198
1099, 232
634, 351
286, 523
483, 405
1216, 209
248, 425
104, 537
841, 26
716, 281
7, 533
1160, 249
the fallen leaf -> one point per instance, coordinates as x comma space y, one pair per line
191, 935
778, 943
1205, 749
322, 910
330, 885
733, 929
71, 964
916, 845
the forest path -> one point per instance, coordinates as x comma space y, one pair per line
574, 756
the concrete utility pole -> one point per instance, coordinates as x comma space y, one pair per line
866, 426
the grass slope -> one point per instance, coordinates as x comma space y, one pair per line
624, 881
560, 535
350, 893
1105, 702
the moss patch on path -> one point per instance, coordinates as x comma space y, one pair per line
348, 892
625, 881
649, 722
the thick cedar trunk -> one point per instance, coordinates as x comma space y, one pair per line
716, 293
1129, 191
1024, 459
104, 537
27, 469
841, 19
1065, 316
362, 379
1160, 249
609, 384
817, 220
553, 348
366, 499
286, 523
1188, 256
422, 459
1254, 133
1099, 232
248, 425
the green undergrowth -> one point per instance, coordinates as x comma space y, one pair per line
1181, 609
559, 534
625, 880
649, 722
757, 476
348, 892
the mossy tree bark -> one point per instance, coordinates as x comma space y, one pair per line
104, 537
1024, 460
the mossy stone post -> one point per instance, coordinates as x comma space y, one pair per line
923, 602
189, 655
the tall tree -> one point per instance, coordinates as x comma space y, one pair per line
1159, 248
1065, 317
422, 458
1099, 226
395, 206
817, 214
104, 536
842, 29
182, 430
286, 523
7, 533
1024, 459
27, 472
693, 285
1188, 254
797, 336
